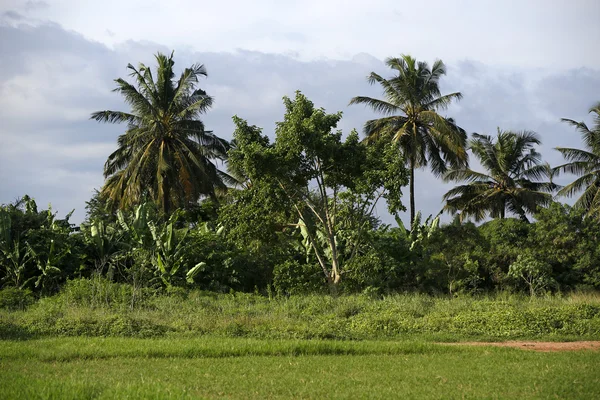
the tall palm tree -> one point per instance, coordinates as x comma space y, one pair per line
165, 154
586, 164
411, 105
511, 182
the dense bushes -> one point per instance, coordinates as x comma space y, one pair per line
145, 251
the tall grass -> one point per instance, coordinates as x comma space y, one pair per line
100, 308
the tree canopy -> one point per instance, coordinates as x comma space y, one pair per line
512, 181
412, 100
165, 154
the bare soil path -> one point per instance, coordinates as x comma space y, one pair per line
538, 346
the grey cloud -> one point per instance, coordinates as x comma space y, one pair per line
12, 15
51, 80
36, 5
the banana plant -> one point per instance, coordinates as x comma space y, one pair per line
191, 274
47, 265
169, 250
137, 227
15, 260
315, 243
419, 232
106, 242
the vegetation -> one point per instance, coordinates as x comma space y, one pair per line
511, 184
586, 164
180, 266
301, 218
134, 368
166, 154
98, 307
424, 137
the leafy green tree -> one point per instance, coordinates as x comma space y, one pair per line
455, 259
585, 164
411, 105
512, 181
564, 238
534, 272
310, 180
506, 238
165, 155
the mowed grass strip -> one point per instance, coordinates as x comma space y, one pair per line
88, 348
94, 368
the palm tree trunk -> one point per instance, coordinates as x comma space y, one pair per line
412, 195
165, 199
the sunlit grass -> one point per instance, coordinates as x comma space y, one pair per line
110, 368
77, 311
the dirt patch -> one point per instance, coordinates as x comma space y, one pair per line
538, 346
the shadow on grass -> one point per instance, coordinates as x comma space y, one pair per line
10, 331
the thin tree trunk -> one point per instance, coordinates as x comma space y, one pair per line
166, 205
412, 195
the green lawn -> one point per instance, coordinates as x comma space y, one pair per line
108, 368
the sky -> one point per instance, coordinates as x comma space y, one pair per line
520, 65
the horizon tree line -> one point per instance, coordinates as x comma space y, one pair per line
167, 156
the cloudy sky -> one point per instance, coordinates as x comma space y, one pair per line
520, 64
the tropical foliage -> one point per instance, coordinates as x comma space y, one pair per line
513, 181
324, 187
302, 214
165, 155
585, 164
411, 103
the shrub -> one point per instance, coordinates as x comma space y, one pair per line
15, 299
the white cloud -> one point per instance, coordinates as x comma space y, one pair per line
554, 34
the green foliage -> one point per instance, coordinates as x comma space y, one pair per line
412, 101
165, 155
15, 299
294, 278
456, 255
37, 250
535, 273
507, 238
312, 180
585, 164
512, 181
92, 307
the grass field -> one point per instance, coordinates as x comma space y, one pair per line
107, 368
92, 341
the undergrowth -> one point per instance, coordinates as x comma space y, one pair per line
100, 308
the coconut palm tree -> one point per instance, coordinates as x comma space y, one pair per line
411, 105
586, 164
165, 154
512, 181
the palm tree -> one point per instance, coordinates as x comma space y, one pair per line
165, 154
411, 105
586, 164
511, 182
